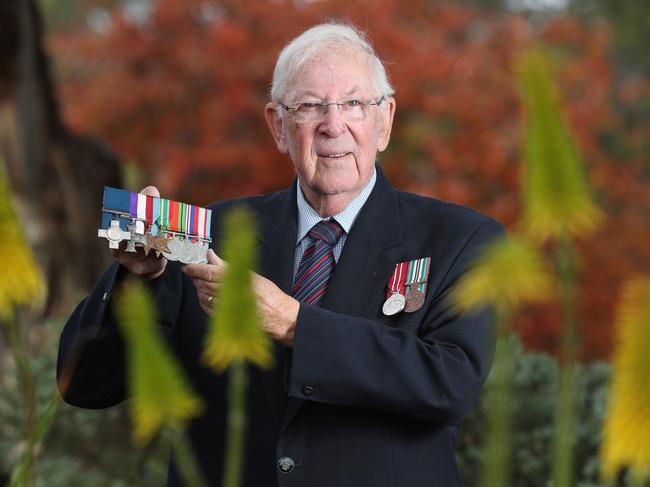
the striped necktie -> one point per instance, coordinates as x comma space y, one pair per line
317, 263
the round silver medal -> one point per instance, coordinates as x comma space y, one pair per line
176, 249
394, 304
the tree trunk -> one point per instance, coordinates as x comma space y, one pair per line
57, 177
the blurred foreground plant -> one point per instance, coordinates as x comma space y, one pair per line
528, 280
557, 200
235, 334
626, 433
508, 274
22, 285
557, 206
161, 397
484, 285
22, 281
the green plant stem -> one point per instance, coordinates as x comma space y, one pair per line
46, 417
144, 453
184, 458
23, 474
566, 406
496, 467
236, 427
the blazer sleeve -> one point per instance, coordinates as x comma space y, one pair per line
433, 375
91, 365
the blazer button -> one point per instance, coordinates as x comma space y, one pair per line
307, 391
286, 464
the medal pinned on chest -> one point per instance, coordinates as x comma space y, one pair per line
416, 284
407, 287
176, 230
395, 300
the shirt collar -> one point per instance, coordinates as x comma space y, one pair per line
308, 217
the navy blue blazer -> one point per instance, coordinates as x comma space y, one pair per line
362, 399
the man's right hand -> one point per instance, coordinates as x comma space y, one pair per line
146, 266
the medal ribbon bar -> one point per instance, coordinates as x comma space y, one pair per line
179, 230
397, 281
418, 273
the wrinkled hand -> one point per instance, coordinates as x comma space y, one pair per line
277, 310
146, 266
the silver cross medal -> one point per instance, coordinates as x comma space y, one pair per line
114, 234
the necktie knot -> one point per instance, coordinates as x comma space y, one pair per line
327, 231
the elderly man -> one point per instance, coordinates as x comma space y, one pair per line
375, 370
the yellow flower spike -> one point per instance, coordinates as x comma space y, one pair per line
508, 273
627, 424
235, 333
159, 390
557, 198
22, 282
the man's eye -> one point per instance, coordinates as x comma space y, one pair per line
353, 103
309, 106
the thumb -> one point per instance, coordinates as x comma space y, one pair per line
151, 191
213, 258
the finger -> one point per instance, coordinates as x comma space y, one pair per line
208, 298
207, 308
207, 302
205, 287
151, 191
137, 256
147, 268
205, 272
124, 256
121, 252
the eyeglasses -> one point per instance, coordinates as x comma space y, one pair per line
310, 112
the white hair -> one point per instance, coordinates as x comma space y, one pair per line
314, 40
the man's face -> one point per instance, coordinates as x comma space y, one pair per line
334, 156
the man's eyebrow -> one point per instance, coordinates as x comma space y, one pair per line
300, 94
355, 89
308, 92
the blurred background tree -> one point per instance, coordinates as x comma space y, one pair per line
55, 175
178, 87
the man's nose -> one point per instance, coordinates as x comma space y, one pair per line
333, 123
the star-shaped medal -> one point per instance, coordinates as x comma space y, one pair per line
157, 243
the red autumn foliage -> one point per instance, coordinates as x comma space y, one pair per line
182, 96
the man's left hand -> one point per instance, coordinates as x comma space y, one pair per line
278, 311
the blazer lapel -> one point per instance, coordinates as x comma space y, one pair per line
277, 251
365, 266
278, 239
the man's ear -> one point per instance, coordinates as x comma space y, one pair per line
274, 122
387, 114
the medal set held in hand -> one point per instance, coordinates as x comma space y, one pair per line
176, 230
407, 287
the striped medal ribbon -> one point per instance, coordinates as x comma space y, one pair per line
155, 216
138, 211
164, 214
395, 300
416, 283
